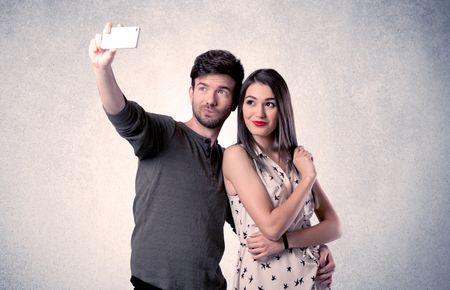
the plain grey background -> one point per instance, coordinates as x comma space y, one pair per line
370, 82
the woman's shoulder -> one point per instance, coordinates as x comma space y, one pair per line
235, 146
236, 151
235, 160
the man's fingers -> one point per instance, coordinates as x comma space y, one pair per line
107, 28
92, 48
98, 40
323, 257
325, 279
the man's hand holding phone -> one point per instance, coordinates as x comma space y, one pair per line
120, 37
102, 48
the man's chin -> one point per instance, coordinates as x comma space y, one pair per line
211, 123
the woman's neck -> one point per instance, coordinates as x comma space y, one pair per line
266, 144
268, 147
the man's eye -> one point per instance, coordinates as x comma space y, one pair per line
222, 92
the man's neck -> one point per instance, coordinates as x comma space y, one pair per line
198, 128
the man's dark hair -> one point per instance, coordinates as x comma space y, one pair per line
219, 62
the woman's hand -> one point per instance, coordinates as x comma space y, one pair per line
303, 161
261, 247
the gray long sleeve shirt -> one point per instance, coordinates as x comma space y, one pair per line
180, 204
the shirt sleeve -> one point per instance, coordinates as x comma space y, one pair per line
146, 132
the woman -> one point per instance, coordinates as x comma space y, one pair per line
272, 187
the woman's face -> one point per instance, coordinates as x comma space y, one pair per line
260, 111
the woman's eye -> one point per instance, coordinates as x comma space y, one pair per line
249, 102
270, 104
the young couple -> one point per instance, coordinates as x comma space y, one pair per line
187, 186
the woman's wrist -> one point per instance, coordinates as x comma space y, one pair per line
309, 180
285, 241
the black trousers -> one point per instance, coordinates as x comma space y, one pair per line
141, 285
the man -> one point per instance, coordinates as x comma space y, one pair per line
180, 205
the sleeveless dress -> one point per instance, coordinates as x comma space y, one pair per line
290, 269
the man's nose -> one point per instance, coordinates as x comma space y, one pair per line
211, 98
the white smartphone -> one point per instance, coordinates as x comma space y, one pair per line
121, 37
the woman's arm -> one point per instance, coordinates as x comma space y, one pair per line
329, 229
242, 179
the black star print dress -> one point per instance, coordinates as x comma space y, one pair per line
290, 269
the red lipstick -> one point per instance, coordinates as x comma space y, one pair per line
259, 123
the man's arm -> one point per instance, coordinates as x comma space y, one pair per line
146, 132
111, 95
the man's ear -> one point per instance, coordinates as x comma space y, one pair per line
191, 93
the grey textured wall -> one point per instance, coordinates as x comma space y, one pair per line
371, 87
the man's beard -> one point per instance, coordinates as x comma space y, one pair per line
209, 122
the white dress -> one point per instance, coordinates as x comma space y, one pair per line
290, 269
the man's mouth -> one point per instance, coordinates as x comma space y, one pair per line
208, 110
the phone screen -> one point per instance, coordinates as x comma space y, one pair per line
121, 37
